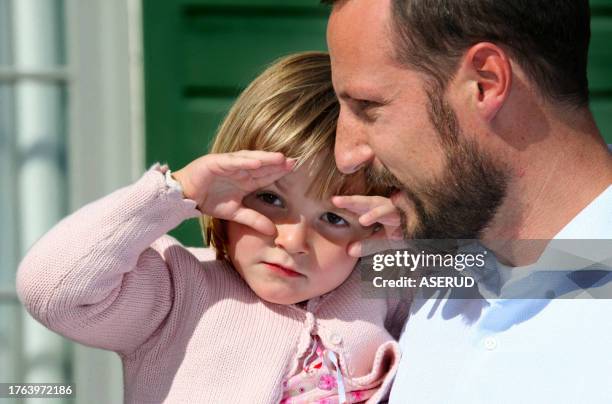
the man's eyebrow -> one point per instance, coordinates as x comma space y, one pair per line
343, 95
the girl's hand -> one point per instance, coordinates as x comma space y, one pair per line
372, 209
219, 182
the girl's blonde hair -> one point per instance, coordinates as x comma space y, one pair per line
290, 108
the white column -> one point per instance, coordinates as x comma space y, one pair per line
40, 177
106, 115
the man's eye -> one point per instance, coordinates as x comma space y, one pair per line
364, 105
366, 109
270, 199
334, 219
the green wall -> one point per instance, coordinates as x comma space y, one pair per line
199, 54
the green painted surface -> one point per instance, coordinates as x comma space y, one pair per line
199, 54
600, 67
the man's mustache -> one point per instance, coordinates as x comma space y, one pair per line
382, 177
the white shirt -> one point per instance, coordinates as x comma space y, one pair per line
513, 350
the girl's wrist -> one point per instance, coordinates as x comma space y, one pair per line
186, 189
173, 184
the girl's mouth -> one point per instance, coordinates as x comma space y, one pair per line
282, 270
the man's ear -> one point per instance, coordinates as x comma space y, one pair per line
488, 72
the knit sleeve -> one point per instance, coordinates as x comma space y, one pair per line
97, 276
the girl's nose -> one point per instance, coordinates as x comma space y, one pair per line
292, 237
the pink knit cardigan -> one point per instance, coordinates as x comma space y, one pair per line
185, 325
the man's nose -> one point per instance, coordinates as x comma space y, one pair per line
293, 237
351, 150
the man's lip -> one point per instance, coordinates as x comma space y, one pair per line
286, 270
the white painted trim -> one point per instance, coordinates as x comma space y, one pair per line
106, 137
106, 102
8, 295
137, 106
15, 74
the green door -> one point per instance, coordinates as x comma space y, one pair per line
199, 54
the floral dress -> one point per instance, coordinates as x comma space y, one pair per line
320, 381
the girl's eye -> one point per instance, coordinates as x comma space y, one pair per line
270, 199
334, 219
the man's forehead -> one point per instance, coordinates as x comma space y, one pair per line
359, 23
359, 40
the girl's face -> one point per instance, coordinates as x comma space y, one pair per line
308, 255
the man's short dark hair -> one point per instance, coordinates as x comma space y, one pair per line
549, 39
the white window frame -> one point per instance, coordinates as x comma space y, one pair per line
24, 40
105, 138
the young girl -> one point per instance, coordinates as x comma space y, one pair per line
274, 313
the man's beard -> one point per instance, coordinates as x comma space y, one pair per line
463, 202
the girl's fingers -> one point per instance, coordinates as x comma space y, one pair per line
249, 180
255, 220
265, 157
376, 243
354, 249
384, 214
356, 203
372, 209
236, 165
253, 160
265, 180
371, 245
232, 162
266, 171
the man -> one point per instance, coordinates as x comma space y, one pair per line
477, 112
